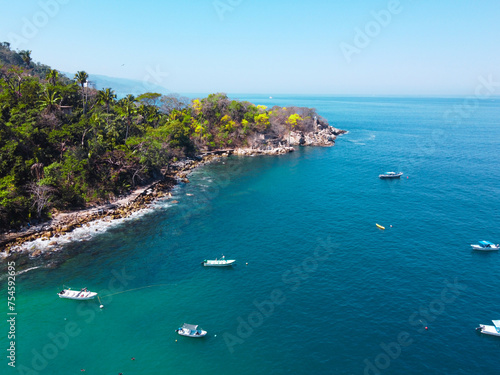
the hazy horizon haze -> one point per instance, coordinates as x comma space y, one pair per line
237, 46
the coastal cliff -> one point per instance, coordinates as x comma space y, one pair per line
323, 135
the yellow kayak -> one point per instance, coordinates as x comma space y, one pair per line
379, 226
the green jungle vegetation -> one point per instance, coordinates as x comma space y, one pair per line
65, 145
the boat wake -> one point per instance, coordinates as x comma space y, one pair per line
362, 140
4, 276
27, 270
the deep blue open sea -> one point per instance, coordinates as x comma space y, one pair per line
318, 288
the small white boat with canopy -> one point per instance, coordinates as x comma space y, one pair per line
493, 330
222, 262
190, 330
82, 294
485, 246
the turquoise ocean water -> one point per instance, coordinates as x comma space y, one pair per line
324, 290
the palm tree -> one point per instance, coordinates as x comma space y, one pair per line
106, 96
52, 76
50, 99
81, 77
112, 132
26, 56
150, 114
127, 108
154, 116
96, 121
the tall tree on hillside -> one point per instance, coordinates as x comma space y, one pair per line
81, 77
106, 96
26, 56
150, 114
52, 76
173, 101
13, 78
97, 122
127, 109
292, 121
95, 125
149, 98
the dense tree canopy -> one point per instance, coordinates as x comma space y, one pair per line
64, 145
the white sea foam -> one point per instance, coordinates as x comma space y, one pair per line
95, 228
84, 233
164, 203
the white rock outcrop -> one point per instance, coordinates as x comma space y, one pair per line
324, 136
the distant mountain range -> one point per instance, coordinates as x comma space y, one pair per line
123, 86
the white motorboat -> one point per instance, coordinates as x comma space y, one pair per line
485, 246
222, 262
82, 294
493, 330
190, 330
390, 175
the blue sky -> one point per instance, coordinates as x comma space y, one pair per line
268, 47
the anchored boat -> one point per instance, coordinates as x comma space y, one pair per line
485, 246
190, 330
82, 294
222, 262
493, 330
390, 175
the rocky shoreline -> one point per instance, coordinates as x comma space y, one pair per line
64, 223
323, 136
